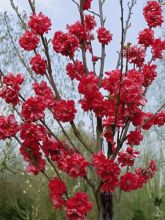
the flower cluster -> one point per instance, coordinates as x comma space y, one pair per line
92, 100
29, 41
65, 43
43, 91
146, 37
78, 206
153, 14
64, 110
57, 190
108, 170
75, 70
38, 64
31, 154
104, 36
158, 47
8, 127
128, 157
32, 134
39, 24
133, 181
90, 22
134, 137
87, 4
33, 109
78, 30
149, 73
134, 55
11, 88
72, 163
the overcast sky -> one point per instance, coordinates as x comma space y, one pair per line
63, 12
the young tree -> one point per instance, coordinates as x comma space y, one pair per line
116, 98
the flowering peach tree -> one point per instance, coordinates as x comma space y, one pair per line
116, 98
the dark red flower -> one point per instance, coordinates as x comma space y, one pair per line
87, 4
135, 55
64, 110
159, 118
44, 91
149, 73
127, 158
108, 170
29, 41
65, 43
89, 22
32, 132
104, 36
11, 88
57, 189
153, 14
75, 70
38, 64
78, 30
146, 37
33, 109
39, 24
129, 182
78, 206
8, 127
134, 137
30, 151
158, 47
76, 165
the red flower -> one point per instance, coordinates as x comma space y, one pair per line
8, 127
39, 24
32, 132
13, 80
159, 118
87, 4
111, 82
104, 36
35, 169
108, 170
153, 14
129, 182
38, 64
149, 73
135, 55
146, 37
33, 109
76, 165
64, 43
64, 110
44, 91
11, 88
88, 84
89, 22
78, 206
57, 190
153, 166
75, 70
30, 151
78, 30
148, 120
29, 41
158, 47
134, 137
127, 158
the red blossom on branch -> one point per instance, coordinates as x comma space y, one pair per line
39, 24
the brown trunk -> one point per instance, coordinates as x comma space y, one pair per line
107, 206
